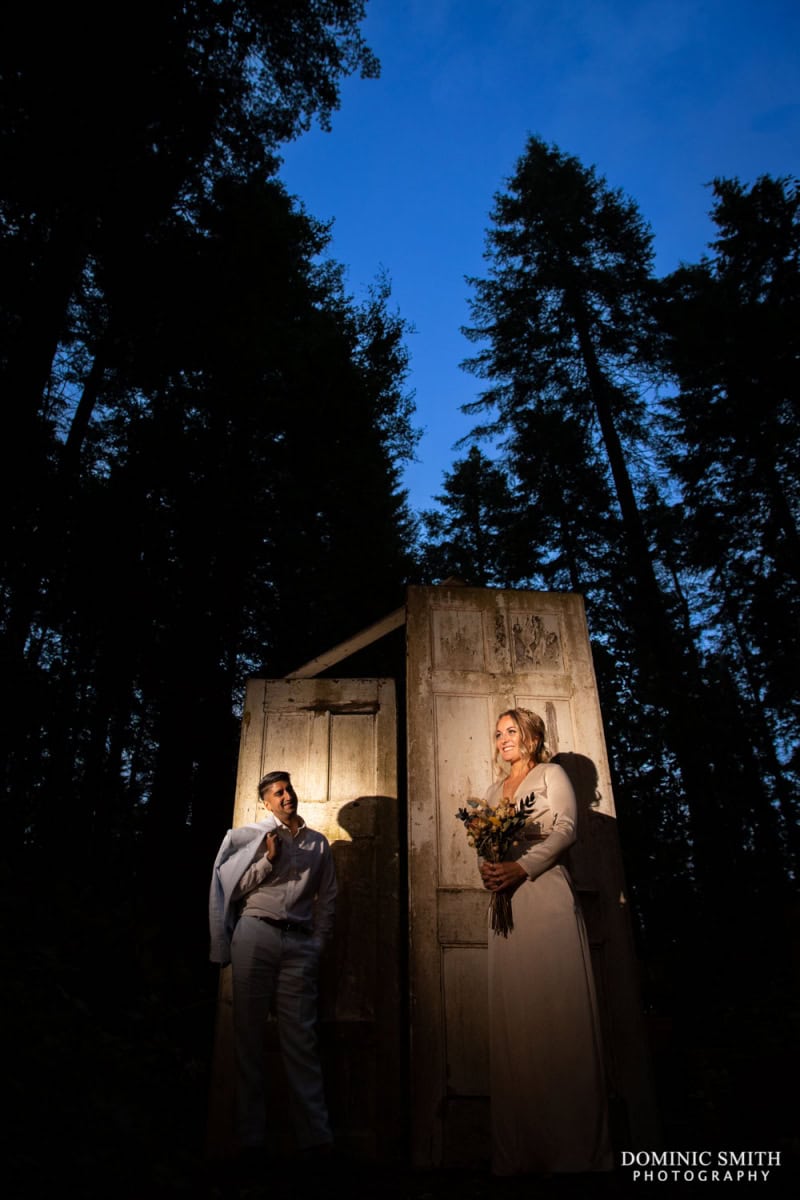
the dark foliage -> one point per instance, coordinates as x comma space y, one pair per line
194, 409
200, 481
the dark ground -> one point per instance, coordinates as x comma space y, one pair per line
106, 1117
362, 1182
109, 1028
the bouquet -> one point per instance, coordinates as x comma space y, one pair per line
492, 832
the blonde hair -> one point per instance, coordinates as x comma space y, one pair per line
532, 734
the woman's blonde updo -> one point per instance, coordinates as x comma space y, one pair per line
532, 734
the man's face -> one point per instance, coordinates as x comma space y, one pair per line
280, 800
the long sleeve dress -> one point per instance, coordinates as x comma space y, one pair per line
548, 1100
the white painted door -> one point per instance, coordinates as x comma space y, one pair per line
338, 739
471, 654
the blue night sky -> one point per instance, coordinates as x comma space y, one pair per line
660, 96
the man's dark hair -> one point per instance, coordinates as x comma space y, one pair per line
273, 777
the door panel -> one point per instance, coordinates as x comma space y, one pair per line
467, 1051
462, 726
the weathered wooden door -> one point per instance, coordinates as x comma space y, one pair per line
471, 654
338, 740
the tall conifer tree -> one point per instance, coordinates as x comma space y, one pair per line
732, 325
567, 320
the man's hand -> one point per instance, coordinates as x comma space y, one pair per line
500, 877
273, 846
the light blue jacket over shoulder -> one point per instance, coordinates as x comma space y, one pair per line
237, 852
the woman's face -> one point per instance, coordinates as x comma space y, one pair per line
508, 741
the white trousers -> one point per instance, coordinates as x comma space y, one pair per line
273, 968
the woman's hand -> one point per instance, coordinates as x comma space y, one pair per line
502, 876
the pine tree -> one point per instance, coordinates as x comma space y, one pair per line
101, 151
732, 341
567, 317
194, 407
468, 536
